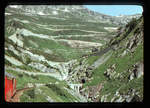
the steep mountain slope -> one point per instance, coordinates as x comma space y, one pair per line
66, 51
121, 75
77, 11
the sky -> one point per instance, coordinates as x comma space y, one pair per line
116, 10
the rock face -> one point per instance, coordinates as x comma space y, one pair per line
133, 42
124, 19
94, 91
137, 71
54, 67
13, 61
16, 40
104, 98
110, 73
125, 46
131, 96
140, 70
42, 68
78, 10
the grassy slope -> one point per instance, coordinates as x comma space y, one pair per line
89, 26
59, 49
122, 65
61, 52
23, 79
55, 92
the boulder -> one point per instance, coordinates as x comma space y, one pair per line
124, 53
111, 73
113, 66
131, 77
140, 70
30, 85
136, 98
137, 71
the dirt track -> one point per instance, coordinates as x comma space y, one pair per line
18, 93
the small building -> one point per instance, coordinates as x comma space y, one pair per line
10, 86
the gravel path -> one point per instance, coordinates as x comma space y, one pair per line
18, 93
79, 43
100, 61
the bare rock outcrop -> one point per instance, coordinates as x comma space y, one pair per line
137, 71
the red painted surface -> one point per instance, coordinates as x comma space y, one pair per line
10, 87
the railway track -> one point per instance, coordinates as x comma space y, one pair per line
18, 93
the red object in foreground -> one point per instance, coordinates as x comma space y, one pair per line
10, 86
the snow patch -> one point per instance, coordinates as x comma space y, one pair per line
8, 14
13, 6
113, 28
41, 13
66, 10
55, 12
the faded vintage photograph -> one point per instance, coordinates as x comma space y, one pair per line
74, 53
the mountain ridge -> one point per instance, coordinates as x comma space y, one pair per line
53, 10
